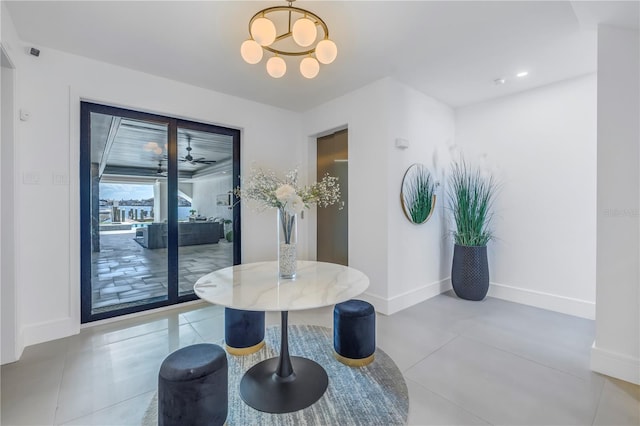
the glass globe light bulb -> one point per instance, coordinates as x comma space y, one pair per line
304, 32
276, 67
309, 67
251, 51
326, 51
263, 31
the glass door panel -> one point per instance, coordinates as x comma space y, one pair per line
128, 212
205, 203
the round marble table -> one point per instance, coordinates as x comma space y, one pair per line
286, 383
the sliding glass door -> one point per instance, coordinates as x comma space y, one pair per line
157, 208
205, 210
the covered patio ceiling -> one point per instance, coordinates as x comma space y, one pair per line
123, 147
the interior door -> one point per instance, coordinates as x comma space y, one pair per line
333, 221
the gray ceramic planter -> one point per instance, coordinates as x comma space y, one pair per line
470, 272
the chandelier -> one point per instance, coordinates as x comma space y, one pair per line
288, 31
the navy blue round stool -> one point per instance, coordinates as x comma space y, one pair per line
193, 386
243, 331
354, 332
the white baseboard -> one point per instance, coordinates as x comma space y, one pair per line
412, 297
616, 365
552, 302
144, 313
50, 330
19, 343
64, 327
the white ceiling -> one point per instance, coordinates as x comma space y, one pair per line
451, 50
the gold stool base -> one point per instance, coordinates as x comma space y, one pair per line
352, 362
244, 351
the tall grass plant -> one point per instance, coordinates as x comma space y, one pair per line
471, 194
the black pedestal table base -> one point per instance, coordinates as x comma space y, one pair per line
263, 391
284, 384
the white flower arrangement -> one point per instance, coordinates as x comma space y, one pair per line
272, 191
269, 190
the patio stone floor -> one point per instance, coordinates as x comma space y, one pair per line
124, 272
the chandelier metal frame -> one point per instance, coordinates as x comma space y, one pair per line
290, 9
273, 30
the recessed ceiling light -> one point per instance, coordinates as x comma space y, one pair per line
522, 74
499, 81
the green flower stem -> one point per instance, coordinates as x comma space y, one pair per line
287, 221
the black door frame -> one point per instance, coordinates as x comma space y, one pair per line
173, 297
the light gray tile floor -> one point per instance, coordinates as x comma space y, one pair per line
465, 363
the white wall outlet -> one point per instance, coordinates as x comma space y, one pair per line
24, 115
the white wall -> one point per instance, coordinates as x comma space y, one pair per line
363, 112
616, 350
9, 333
7, 223
11, 345
51, 88
6, 340
205, 192
544, 143
401, 260
419, 256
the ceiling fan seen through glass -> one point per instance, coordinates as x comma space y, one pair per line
188, 158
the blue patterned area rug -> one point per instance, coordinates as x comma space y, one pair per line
372, 395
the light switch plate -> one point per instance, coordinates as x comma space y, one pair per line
31, 178
60, 179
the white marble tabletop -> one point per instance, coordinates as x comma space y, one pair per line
256, 286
